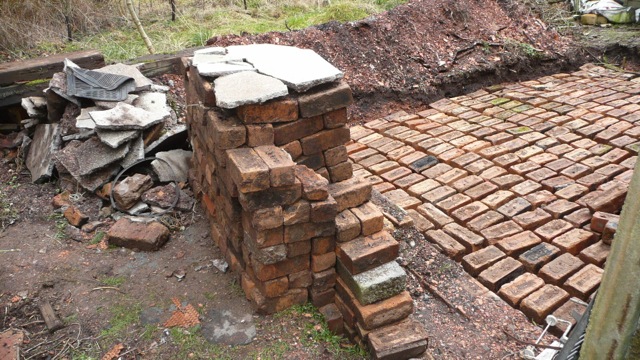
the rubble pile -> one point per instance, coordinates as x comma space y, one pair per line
268, 128
93, 125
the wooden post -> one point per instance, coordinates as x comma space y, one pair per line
615, 315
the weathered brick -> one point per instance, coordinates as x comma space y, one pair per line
500, 273
520, 288
350, 193
434, 215
317, 103
284, 195
296, 130
247, 169
485, 220
516, 244
559, 269
297, 212
335, 118
495, 233
534, 258
258, 135
324, 140
507, 181
453, 202
480, 191
470, 240
532, 219
274, 111
365, 253
596, 254
438, 194
543, 302
402, 199
370, 217
321, 262
498, 198
449, 245
144, 236
347, 226
583, 283
574, 240
600, 220
469, 211
225, 133
281, 167
307, 231
403, 340
478, 261
552, 229
422, 187
514, 207
265, 272
335, 155
419, 221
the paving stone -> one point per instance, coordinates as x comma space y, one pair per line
500, 273
534, 258
543, 302
520, 288
558, 270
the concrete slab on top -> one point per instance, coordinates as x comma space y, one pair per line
247, 87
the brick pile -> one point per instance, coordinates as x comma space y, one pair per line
292, 220
521, 182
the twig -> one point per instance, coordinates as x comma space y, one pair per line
107, 288
530, 343
437, 293
9, 250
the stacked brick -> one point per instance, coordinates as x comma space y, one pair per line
277, 184
519, 182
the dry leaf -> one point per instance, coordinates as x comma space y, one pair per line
114, 352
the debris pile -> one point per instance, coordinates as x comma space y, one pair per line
268, 128
97, 126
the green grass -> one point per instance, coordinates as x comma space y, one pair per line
191, 344
97, 237
60, 224
113, 281
194, 26
122, 317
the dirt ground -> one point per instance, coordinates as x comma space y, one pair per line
405, 58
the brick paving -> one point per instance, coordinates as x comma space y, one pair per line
519, 182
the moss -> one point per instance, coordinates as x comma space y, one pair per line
37, 82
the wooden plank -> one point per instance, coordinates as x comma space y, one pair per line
13, 94
45, 67
50, 317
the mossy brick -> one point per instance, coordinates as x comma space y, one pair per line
377, 284
367, 252
273, 111
325, 99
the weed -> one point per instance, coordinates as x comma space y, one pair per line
70, 319
8, 213
60, 224
522, 49
123, 316
113, 281
149, 331
97, 237
209, 295
192, 345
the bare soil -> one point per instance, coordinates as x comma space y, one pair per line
405, 58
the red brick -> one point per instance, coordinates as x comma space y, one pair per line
317, 103
365, 253
600, 220
419, 221
436, 170
485, 220
596, 254
350, 193
520, 288
324, 140
500, 273
471, 241
478, 166
402, 199
560, 269
466, 183
534, 258
469, 211
447, 244
434, 215
347, 226
560, 208
574, 241
579, 217
507, 181
274, 111
453, 202
480, 260
516, 244
408, 180
403, 340
495, 233
422, 187
532, 219
370, 217
395, 174
572, 192
438, 194
514, 207
451, 176
498, 198
543, 302
286, 133
583, 283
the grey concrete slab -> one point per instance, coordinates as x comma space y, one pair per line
111, 104
84, 134
223, 68
125, 117
82, 159
377, 284
175, 166
84, 121
300, 69
247, 87
154, 102
173, 138
136, 152
46, 141
227, 328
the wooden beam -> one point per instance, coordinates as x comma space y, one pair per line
45, 67
615, 314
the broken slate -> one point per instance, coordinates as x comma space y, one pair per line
174, 167
115, 138
46, 141
247, 87
154, 102
84, 121
82, 135
136, 152
36, 106
300, 69
126, 117
135, 233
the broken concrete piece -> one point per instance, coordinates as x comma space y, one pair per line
46, 141
142, 83
174, 167
247, 87
300, 69
227, 328
223, 68
84, 121
126, 117
154, 102
164, 196
95, 180
136, 152
82, 135
214, 50
36, 106
115, 138
127, 192
132, 233
101, 104
82, 159
175, 137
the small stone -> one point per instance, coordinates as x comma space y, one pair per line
127, 192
